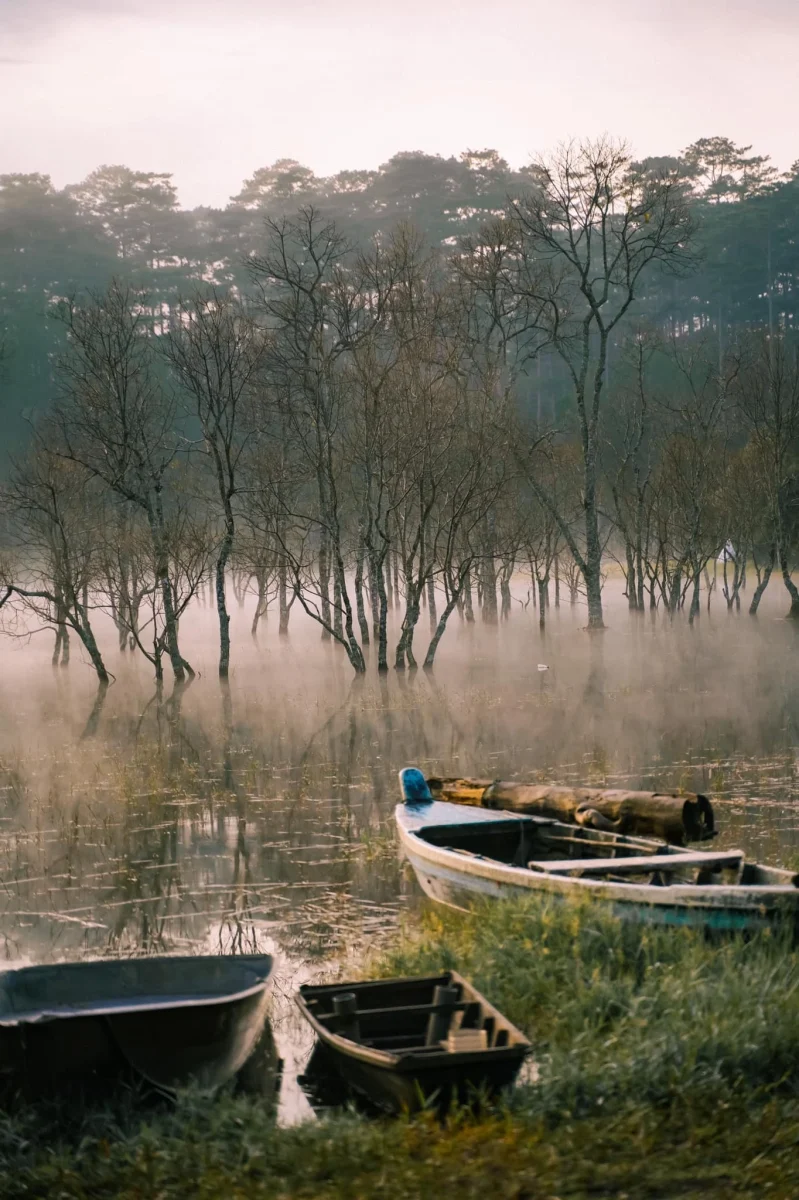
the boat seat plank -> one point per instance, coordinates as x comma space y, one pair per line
636, 863
424, 1010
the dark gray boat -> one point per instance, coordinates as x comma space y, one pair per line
170, 1020
408, 1042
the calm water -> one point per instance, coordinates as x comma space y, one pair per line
259, 816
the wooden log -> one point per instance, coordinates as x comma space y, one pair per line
674, 818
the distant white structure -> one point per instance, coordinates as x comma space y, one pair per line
728, 554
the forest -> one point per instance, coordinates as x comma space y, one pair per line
382, 396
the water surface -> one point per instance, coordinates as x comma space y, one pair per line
258, 816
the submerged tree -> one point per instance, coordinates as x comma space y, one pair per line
575, 255
55, 514
767, 396
115, 418
315, 312
217, 353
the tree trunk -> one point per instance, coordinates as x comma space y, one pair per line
221, 602
382, 625
593, 561
639, 571
405, 644
282, 596
543, 600
86, 634
468, 610
386, 581
695, 608
431, 603
438, 633
260, 608
763, 583
632, 594
793, 592
324, 582
488, 574
338, 623
180, 668
593, 589
363, 624
374, 590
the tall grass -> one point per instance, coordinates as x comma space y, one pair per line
668, 1065
619, 1011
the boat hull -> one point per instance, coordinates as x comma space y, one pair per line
90, 1025
456, 881
414, 1087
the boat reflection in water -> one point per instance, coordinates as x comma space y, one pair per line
326, 1089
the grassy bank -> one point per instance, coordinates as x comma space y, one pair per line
669, 1066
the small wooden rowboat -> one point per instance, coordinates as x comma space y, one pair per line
171, 1020
405, 1043
460, 853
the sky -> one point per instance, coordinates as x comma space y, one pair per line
210, 90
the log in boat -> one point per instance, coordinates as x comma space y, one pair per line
415, 1041
462, 853
169, 1020
672, 817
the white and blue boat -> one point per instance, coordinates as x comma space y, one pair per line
461, 854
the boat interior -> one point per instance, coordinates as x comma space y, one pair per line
72, 988
553, 848
430, 1015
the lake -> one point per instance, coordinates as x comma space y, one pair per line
258, 816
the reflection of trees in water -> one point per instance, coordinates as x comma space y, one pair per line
238, 933
241, 812
93, 720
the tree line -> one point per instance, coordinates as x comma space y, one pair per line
359, 426
128, 223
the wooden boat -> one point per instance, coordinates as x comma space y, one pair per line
169, 1020
327, 1091
459, 853
406, 1043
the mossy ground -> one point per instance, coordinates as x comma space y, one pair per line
668, 1067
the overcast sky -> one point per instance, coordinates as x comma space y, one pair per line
213, 89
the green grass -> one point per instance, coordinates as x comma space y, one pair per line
616, 1009
669, 1067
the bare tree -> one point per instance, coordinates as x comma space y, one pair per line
115, 419
573, 258
767, 395
631, 460
217, 354
689, 481
131, 573
317, 310
54, 514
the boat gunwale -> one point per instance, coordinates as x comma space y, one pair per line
683, 895
166, 1004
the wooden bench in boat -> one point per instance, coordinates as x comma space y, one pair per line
638, 863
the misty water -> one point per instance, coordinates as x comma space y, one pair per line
258, 817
